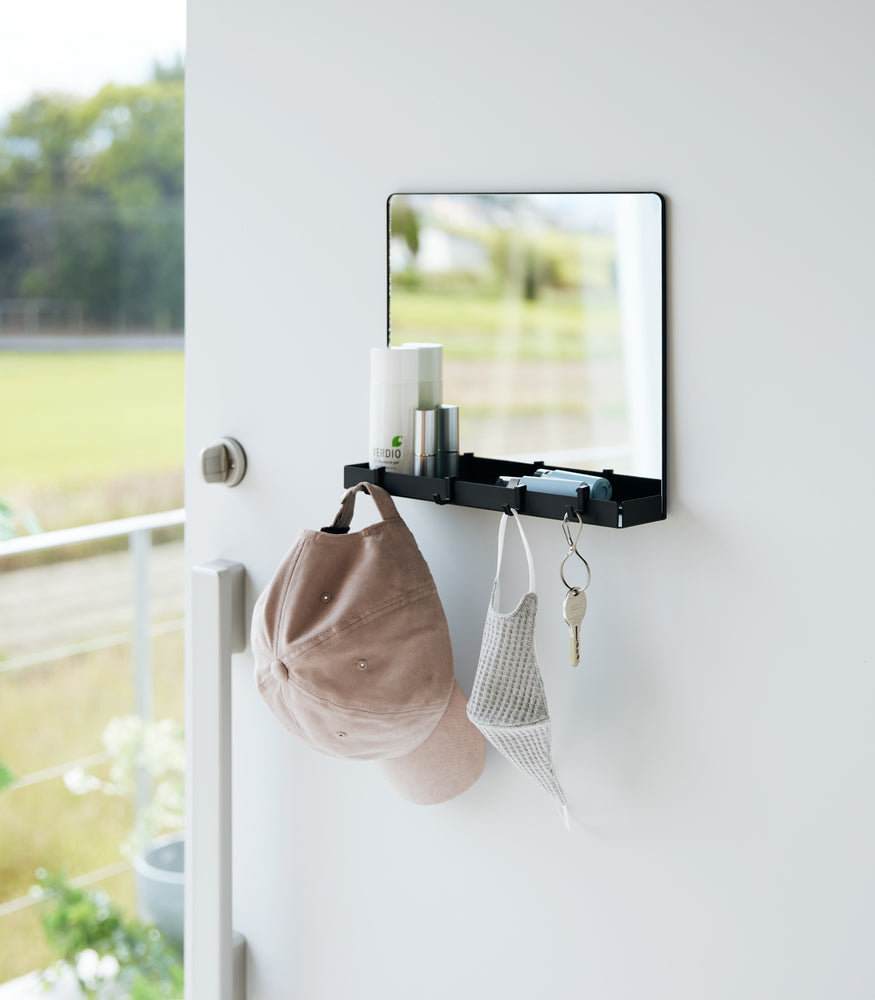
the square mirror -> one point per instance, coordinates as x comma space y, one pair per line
550, 309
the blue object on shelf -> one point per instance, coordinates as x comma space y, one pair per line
567, 483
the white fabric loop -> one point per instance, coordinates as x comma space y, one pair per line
496, 587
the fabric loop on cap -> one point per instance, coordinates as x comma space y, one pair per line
381, 499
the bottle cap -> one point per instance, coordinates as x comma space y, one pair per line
423, 432
392, 365
448, 427
430, 358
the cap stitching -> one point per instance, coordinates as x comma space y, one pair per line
285, 591
308, 737
338, 633
258, 648
334, 638
419, 709
408, 597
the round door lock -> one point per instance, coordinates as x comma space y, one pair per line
223, 462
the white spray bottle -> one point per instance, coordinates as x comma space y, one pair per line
394, 399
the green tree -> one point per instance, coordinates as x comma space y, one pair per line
91, 202
405, 223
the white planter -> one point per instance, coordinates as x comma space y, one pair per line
161, 885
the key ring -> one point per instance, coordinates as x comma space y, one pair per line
572, 551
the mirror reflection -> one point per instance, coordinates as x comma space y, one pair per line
549, 308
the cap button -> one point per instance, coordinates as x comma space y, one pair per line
279, 670
325, 597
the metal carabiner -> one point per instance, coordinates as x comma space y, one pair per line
572, 551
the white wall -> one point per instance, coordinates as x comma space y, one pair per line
716, 743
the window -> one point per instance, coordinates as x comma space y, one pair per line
91, 434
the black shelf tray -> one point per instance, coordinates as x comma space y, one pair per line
634, 500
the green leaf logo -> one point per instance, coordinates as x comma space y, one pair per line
396, 441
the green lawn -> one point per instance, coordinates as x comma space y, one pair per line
86, 436
478, 327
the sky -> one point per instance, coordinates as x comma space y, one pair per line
76, 46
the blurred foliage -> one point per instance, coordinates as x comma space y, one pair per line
12, 522
6, 776
141, 749
41, 824
527, 263
405, 223
91, 218
141, 966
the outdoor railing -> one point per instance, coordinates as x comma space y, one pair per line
139, 531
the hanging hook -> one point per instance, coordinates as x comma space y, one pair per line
572, 551
566, 530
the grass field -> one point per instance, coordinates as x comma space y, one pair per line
522, 372
87, 436
476, 327
84, 437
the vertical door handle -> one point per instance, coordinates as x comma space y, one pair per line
214, 955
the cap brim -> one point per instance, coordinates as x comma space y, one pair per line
446, 764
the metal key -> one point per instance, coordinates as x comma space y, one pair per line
573, 610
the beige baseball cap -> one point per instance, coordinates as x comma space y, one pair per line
353, 655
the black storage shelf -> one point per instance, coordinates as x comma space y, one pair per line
634, 500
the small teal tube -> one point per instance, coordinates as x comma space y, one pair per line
563, 474
567, 483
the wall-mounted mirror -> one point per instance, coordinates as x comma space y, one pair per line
550, 310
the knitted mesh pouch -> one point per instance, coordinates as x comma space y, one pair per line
507, 703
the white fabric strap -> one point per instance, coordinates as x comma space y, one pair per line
501, 529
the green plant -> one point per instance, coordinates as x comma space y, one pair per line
141, 752
13, 521
110, 956
6, 776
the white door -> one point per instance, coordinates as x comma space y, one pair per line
713, 743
